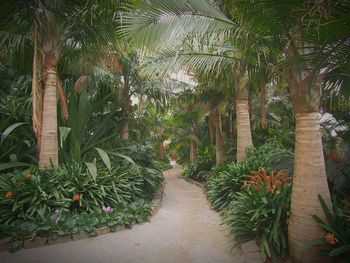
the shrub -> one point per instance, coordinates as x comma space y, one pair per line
64, 223
261, 212
34, 194
200, 170
336, 240
227, 179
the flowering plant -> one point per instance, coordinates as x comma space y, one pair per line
107, 209
336, 240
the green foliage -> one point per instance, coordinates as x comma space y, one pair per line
71, 223
261, 214
336, 241
226, 179
200, 170
32, 194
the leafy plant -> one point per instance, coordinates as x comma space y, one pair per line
272, 182
336, 240
262, 214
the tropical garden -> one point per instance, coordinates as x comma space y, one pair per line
251, 97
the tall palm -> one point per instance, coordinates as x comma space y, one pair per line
304, 35
53, 26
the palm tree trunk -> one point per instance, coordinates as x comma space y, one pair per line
48, 152
161, 150
219, 140
309, 180
309, 167
244, 137
126, 108
37, 95
230, 127
193, 151
263, 122
211, 126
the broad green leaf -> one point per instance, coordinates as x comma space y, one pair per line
4, 166
64, 131
340, 250
104, 157
92, 169
9, 130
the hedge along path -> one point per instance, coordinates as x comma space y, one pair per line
183, 230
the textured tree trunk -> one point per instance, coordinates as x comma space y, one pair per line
161, 150
219, 140
211, 126
125, 131
193, 151
230, 127
37, 96
263, 122
244, 137
126, 108
48, 153
309, 178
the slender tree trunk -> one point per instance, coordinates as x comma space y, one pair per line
244, 137
161, 150
230, 127
219, 149
126, 107
309, 178
263, 122
37, 96
193, 151
211, 126
48, 153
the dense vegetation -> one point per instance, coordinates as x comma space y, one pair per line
251, 97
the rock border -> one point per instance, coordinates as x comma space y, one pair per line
43, 241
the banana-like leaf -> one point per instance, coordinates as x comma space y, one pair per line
9, 130
64, 131
5, 166
104, 157
92, 169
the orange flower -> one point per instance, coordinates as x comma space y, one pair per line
9, 195
29, 177
76, 197
331, 239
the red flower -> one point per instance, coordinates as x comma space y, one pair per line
29, 177
331, 239
9, 195
76, 197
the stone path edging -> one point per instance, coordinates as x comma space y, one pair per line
43, 241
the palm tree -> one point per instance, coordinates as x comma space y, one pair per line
303, 35
53, 26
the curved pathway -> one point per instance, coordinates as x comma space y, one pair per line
184, 230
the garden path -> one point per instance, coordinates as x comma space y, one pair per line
184, 230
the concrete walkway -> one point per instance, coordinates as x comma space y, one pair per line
184, 231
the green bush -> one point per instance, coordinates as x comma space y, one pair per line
226, 180
34, 194
200, 170
261, 214
63, 223
336, 240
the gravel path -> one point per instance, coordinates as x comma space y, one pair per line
184, 230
